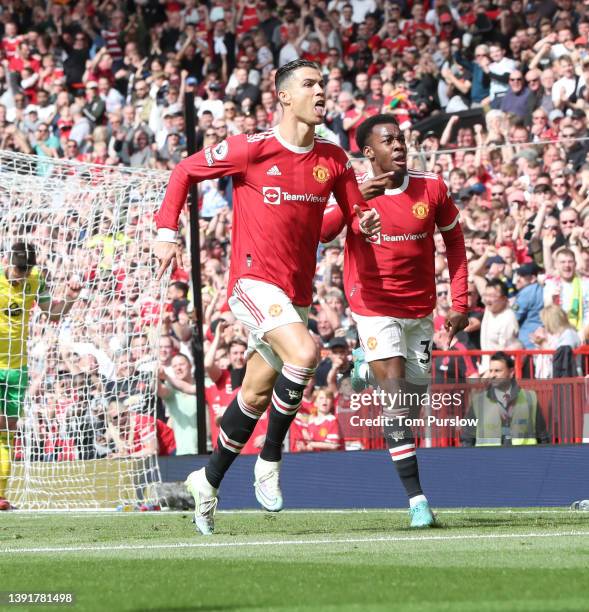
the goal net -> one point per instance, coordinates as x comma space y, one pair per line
86, 436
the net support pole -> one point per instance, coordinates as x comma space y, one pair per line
197, 336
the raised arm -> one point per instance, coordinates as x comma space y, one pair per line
210, 362
227, 158
56, 309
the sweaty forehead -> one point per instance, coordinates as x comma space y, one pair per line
386, 129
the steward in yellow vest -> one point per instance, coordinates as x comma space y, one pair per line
506, 415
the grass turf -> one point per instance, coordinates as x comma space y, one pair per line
527, 560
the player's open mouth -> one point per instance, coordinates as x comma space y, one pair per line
319, 108
400, 160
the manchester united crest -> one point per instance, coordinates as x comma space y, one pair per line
371, 343
275, 310
321, 174
420, 210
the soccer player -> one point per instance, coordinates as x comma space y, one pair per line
21, 286
282, 180
390, 283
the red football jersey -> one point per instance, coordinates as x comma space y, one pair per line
218, 396
279, 194
324, 428
10, 45
393, 273
254, 445
143, 431
351, 114
396, 46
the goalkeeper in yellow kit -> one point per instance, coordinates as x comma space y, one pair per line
21, 287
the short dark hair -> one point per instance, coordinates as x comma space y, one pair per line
363, 132
458, 171
181, 286
238, 342
23, 255
499, 284
285, 72
504, 357
481, 235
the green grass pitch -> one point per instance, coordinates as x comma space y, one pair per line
477, 561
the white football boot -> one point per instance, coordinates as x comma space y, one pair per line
267, 484
205, 501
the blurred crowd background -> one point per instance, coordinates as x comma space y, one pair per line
492, 95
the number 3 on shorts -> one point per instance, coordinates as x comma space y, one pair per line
426, 351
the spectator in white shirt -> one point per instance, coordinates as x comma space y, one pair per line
213, 103
113, 99
499, 327
499, 70
567, 85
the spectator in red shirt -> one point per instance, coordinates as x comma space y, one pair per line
418, 22
226, 380
323, 432
23, 58
11, 40
393, 39
314, 53
360, 56
130, 433
354, 117
72, 152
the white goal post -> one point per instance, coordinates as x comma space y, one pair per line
87, 434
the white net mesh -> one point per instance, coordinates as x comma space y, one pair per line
87, 433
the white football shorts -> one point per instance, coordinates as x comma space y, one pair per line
386, 337
262, 307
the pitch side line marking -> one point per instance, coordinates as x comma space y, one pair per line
111, 512
187, 545
396, 511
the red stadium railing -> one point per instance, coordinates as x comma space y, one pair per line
564, 402
521, 357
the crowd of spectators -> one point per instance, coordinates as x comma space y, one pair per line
492, 95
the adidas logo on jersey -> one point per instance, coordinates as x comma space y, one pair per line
274, 171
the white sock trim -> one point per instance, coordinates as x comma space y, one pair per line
417, 499
263, 466
205, 487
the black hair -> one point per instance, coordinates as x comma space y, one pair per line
499, 284
285, 72
363, 132
504, 357
23, 255
183, 287
238, 342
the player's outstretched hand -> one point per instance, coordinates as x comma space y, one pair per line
369, 220
374, 187
455, 322
167, 253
